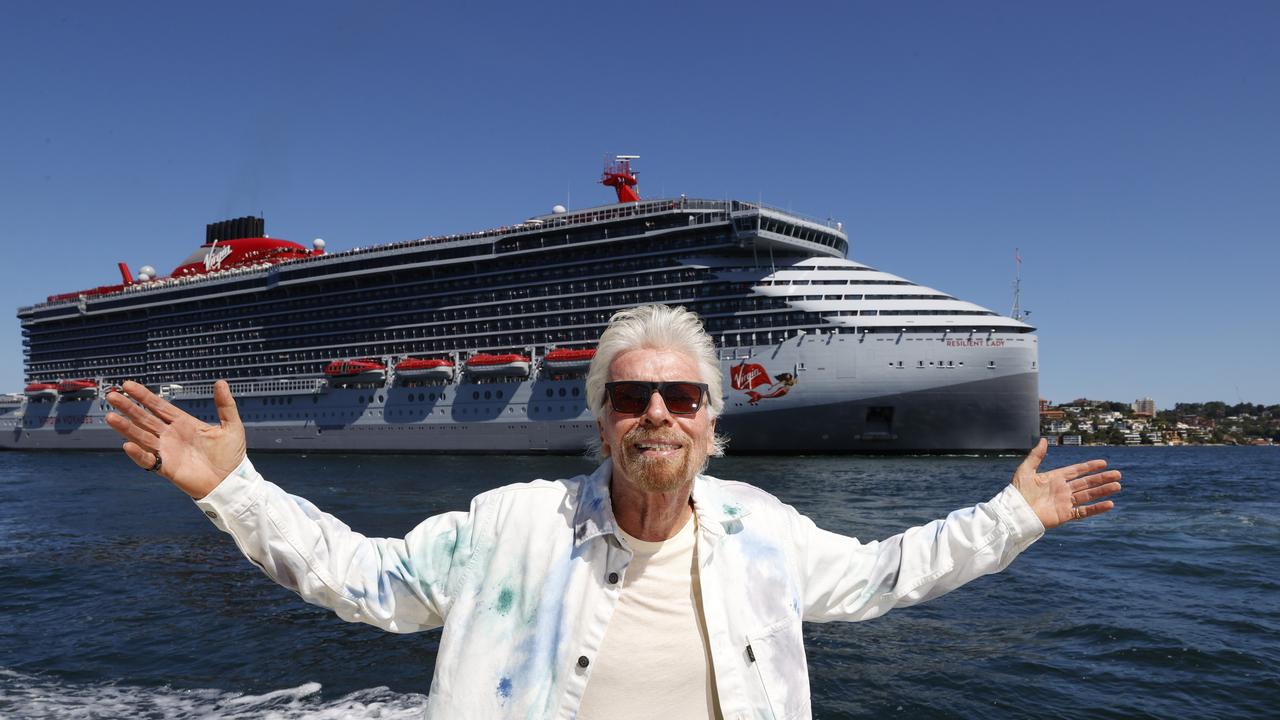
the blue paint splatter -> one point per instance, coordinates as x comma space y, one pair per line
504, 688
597, 503
505, 599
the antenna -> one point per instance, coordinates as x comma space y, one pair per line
1017, 313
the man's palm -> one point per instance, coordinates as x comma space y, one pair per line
194, 455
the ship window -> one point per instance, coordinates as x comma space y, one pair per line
475, 395
487, 395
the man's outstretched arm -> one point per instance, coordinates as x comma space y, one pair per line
849, 580
399, 585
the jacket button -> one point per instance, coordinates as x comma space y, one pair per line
583, 661
613, 578
211, 514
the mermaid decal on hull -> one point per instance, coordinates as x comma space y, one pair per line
749, 376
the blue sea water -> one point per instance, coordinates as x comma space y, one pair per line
121, 600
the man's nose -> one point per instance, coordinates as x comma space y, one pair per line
656, 413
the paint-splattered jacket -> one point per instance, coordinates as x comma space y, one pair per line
524, 583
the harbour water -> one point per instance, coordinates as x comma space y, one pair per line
121, 600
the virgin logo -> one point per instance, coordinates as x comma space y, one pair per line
213, 260
747, 376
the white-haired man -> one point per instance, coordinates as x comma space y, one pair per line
645, 589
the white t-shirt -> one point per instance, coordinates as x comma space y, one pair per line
655, 661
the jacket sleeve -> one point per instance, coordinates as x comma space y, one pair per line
844, 579
398, 585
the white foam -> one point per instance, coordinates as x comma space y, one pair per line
37, 698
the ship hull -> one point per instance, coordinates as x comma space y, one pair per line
825, 394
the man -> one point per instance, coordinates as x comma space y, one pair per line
645, 589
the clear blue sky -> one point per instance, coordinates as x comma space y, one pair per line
1131, 150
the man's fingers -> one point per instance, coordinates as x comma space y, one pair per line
1036, 456
1087, 511
158, 406
225, 403
1089, 481
1090, 494
1071, 472
140, 416
131, 432
141, 457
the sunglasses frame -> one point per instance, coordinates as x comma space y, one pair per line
657, 387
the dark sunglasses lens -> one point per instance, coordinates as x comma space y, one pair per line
682, 397
630, 397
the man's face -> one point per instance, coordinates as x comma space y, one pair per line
656, 451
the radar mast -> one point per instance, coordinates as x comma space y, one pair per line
619, 176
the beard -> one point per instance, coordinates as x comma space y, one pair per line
660, 473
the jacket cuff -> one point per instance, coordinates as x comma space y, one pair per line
233, 496
1017, 515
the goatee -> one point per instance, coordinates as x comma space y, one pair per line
659, 473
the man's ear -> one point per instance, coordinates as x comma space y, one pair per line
604, 447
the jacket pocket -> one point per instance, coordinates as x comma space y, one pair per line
777, 652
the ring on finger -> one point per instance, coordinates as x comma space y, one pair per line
156, 465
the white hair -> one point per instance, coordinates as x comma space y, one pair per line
655, 327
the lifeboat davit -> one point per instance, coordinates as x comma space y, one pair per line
424, 369
77, 389
569, 361
506, 365
356, 372
42, 391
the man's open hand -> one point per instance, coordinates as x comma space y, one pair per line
1068, 493
193, 455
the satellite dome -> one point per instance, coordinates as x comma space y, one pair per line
317, 244
559, 210
146, 272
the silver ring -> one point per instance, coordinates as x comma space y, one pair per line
156, 466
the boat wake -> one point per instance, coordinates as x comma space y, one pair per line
37, 697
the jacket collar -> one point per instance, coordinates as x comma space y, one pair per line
593, 516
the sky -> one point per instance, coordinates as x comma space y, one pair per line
1129, 151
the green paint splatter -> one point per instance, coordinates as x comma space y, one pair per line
732, 510
505, 598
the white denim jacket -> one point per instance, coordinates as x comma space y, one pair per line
525, 582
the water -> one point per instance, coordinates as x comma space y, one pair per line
121, 600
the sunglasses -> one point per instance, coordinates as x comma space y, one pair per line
631, 397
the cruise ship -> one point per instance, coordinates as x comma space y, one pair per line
479, 342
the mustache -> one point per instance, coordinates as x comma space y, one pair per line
640, 434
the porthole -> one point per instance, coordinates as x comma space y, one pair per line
577, 392
550, 392
499, 394
475, 395
488, 395
561, 392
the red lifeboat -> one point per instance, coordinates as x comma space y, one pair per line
42, 391
424, 369
567, 360
356, 372
77, 389
504, 365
